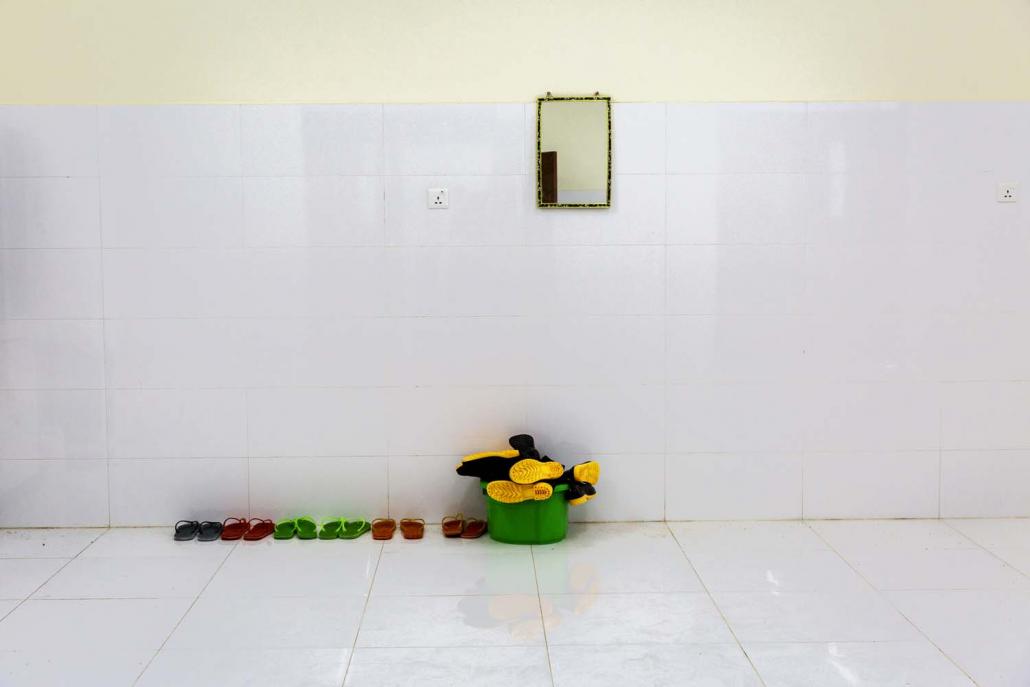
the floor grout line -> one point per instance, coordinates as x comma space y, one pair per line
974, 544
715, 604
218, 569
361, 619
52, 576
880, 593
983, 548
543, 623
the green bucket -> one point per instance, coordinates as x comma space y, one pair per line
529, 522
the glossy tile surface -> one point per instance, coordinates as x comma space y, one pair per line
791, 310
771, 603
916, 664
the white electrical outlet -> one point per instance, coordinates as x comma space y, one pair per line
436, 198
1008, 193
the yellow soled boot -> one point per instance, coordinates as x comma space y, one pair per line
528, 471
589, 472
510, 492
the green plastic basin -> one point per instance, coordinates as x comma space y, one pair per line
529, 522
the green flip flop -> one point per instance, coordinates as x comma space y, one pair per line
352, 529
307, 528
331, 529
285, 529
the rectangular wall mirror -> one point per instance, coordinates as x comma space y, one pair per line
574, 151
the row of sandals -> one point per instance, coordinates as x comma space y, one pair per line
254, 529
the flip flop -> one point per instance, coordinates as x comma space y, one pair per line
509, 492
452, 525
528, 471
383, 528
259, 529
234, 530
413, 528
307, 528
209, 531
474, 529
352, 529
186, 530
331, 529
285, 529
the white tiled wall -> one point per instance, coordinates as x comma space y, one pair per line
791, 310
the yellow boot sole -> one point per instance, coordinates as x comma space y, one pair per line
509, 492
587, 472
529, 471
507, 453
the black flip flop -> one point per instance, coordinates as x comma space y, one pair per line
186, 530
209, 531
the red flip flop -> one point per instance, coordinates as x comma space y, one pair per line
259, 529
235, 529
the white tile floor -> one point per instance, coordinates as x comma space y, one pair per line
780, 604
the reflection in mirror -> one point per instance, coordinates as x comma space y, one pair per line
574, 151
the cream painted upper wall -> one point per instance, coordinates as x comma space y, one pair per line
171, 51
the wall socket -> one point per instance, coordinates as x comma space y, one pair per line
1008, 193
436, 198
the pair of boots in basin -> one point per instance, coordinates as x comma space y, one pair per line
521, 474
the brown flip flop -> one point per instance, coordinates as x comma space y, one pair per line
234, 528
474, 529
453, 525
259, 529
413, 528
383, 528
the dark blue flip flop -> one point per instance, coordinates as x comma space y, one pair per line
186, 530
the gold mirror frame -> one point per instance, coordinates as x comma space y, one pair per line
539, 182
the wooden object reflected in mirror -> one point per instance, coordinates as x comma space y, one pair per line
549, 176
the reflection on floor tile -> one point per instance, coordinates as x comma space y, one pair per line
984, 632
937, 569
719, 537
671, 664
247, 668
59, 626
440, 573
46, 543
482, 667
7, 606
19, 577
316, 570
788, 571
1005, 533
813, 617
152, 542
823, 603
452, 621
607, 559
247, 622
130, 578
98, 667
913, 664
858, 537
632, 618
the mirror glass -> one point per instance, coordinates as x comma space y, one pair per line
573, 148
